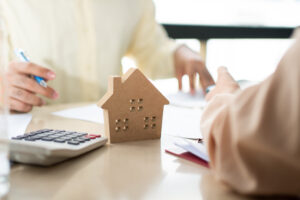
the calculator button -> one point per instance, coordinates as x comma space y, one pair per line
74, 142
55, 136
47, 139
37, 137
81, 140
44, 134
22, 137
85, 138
97, 136
67, 133
50, 137
31, 133
59, 131
82, 134
67, 138
60, 134
64, 138
16, 138
59, 140
30, 139
75, 134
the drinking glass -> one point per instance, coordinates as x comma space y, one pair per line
4, 162
4, 145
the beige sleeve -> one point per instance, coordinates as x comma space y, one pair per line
151, 48
253, 137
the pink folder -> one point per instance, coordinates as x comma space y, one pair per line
188, 156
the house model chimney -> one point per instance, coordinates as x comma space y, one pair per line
116, 83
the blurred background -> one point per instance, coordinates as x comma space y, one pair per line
251, 59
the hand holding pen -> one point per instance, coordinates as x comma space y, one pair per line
20, 53
23, 90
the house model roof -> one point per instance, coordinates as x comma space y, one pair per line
119, 88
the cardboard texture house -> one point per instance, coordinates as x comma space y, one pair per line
133, 108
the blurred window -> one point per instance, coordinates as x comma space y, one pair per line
251, 59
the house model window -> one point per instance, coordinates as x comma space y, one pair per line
121, 125
150, 122
136, 105
133, 108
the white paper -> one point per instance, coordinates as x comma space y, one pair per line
182, 122
17, 124
88, 113
197, 149
177, 121
186, 99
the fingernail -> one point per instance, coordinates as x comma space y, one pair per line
55, 95
51, 75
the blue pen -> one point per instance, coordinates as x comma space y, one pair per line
20, 53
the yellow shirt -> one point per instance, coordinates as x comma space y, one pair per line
253, 137
83, 41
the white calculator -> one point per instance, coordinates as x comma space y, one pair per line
48, 146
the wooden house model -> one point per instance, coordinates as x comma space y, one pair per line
133, 108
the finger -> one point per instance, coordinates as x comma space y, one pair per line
19, 106
179, 78
204, 76
192, 82
31, 85
205, 79
32, 69
223, 73
25, 96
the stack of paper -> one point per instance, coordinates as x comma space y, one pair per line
190, 150
17, 124
87, 113
182, 122
185, 99
195, 148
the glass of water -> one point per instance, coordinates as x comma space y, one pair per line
4, 162
4, 145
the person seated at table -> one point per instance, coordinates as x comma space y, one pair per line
253, 136
81, 43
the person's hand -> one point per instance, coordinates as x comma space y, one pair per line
189, 62
23, 90
225, 84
